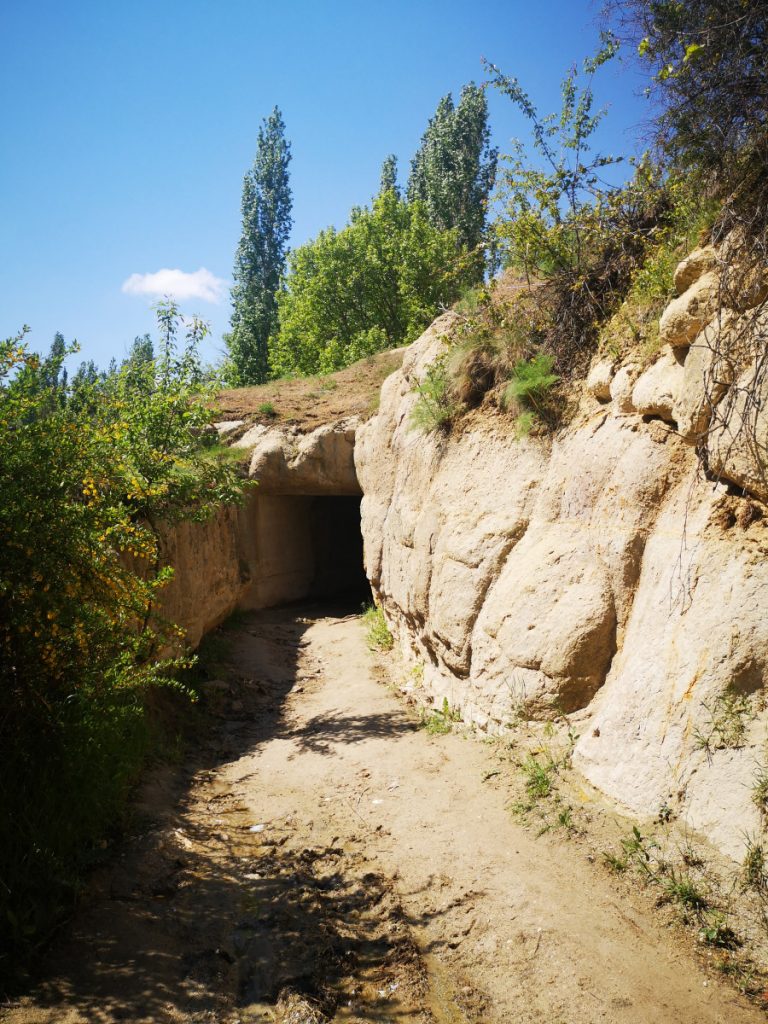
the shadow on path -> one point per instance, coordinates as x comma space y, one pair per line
202, 917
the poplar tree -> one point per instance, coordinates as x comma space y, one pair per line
388, 180
53, 372
454, 169
261, 254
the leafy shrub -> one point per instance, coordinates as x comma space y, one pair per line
707, 62
574, 237
635, 323
440, 721
88, 472
707, 59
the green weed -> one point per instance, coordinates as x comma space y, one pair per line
726, 727
681, 889
434, 407
377, 634
565, 817
753, 874
615, 863
530, 382
267, 409
715, 931
638, 850
440, 721
539, 777
760, 789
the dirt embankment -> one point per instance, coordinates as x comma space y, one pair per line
321, 858
309, 402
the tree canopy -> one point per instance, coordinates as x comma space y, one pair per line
375, 284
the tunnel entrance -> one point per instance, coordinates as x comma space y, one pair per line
337, 546
305, 546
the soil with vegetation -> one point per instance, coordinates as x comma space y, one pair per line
323, 854
308, 402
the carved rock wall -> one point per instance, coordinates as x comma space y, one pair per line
598, 574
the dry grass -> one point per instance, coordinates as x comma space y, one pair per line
308, 402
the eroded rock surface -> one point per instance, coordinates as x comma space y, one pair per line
599, 574
287, 461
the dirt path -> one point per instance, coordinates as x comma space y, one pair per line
322, 859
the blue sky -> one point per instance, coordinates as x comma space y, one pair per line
127, 128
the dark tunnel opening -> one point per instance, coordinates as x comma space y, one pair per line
299, 546
337, 550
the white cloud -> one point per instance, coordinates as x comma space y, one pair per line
201, 284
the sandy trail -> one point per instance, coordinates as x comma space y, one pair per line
322, 859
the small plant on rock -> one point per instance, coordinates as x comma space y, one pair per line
760, 789
728, 715
435, 406
753, 867
531, 380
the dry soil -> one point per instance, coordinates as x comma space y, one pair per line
322, 858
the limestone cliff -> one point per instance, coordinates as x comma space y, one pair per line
598, 573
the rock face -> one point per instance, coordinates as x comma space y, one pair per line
658, 389
599, 574
688, 314
288, 462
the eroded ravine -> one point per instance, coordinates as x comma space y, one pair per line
320, 858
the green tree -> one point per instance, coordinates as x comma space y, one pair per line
556, 199
142, 350
55, 373
261, 254
454, 170
375, 284
388, 180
